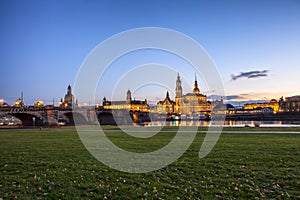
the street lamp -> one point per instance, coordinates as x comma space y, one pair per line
33, 121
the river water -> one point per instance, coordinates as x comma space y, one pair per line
227, 123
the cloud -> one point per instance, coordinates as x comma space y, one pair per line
231, 97
241, 103
214, 97
225, 98
250, 74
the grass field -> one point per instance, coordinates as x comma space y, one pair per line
53, 164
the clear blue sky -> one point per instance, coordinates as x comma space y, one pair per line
43, 43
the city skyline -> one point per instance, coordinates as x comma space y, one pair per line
255, 45
69, 99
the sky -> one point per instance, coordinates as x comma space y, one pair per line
255, 46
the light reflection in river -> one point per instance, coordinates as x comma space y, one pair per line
227, 123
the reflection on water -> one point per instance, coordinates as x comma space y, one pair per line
226, 123
177, 123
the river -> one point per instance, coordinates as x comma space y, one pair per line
227, 123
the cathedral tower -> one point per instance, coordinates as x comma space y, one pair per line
196, 89
178, 97
128, 98
178, 87
69, 97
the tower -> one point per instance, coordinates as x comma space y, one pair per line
178, 87
178, 97
69, 90
128, 98
104, 101
196, 89
69, 97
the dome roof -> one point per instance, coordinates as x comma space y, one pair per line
273, 101
196, 91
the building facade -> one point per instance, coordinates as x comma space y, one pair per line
129, 104
185, 104
290, 104
273, 104
166, 106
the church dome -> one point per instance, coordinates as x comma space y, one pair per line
196, 90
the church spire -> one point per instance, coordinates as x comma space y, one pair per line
178, 87
69, 90
196, 89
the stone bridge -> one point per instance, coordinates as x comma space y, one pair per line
51, 116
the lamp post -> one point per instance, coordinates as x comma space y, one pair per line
33, 122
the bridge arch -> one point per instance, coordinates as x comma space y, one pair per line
27, 119
80, 118
116, 117
106, 118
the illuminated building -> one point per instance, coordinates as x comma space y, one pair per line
291, 104
166, 106
273, 104
19, 103
38, 104
190, 103
69, 97
129, 104
187, 104
3, 104
68, 100
62, 104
